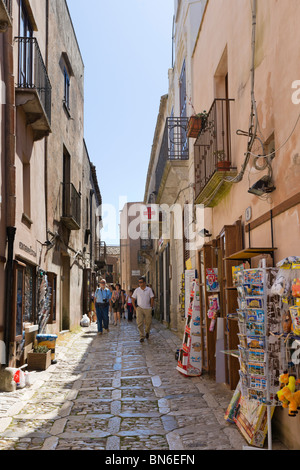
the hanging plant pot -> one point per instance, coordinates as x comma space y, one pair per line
223, 166
195, 126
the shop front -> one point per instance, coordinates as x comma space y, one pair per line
34, 307
250, 323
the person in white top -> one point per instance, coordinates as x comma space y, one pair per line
143, 301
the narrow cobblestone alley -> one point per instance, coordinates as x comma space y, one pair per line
111, 392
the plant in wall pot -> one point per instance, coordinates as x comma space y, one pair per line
197, 123
222, 163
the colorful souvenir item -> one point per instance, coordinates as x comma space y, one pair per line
295, 314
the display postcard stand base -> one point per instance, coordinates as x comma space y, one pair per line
190, 362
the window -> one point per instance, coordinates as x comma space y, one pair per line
182, 91
26, 190
66, 89
29, 294
52, 280
18, 310
25, 50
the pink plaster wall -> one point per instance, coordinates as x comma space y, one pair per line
227, 25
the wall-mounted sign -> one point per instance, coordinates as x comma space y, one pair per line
248, 214
150, 213
136, 273
28, 250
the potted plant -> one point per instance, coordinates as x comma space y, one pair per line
222, 163
197, 123
39, 358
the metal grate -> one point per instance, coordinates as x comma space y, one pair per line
7, 3
32, 72
71, 203
175, 145
213, 146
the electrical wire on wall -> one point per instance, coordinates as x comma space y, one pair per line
254, 130
253, 124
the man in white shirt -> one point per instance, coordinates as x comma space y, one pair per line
143, 301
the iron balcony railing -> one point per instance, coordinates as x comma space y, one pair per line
146, 245
32, 72
174, 146
100, 254
71, 206
7, 3
141, 259
213, 145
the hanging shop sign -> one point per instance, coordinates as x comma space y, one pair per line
27, 250
150, 213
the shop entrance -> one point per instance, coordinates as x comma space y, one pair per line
65, 293
164, 279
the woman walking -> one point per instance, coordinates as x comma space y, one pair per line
117, 303
129, 305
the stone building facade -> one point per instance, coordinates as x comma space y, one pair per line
236, 62
130, 247
49, 233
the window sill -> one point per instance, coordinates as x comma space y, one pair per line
67, 110
26, 220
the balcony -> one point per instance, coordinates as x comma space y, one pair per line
100, 255
146, 249
71, 207
33, 92
213, 156
172, 162
5, 15
141, 259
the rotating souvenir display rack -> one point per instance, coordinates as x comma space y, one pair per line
259, 350
189, 362
269, 350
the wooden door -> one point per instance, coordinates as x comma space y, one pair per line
230, 241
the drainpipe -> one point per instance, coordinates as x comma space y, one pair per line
10, 170
46, 138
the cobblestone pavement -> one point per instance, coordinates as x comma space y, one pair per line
111, 392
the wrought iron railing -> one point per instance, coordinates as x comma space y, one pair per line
146, 244
7, 3
32, 72
100, 253
141, 258
213, 146
174, 146
71, 203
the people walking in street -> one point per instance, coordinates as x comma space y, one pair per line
92, 312
124, 302
117, 304
102, 299
129, 305
153, 311
143, 301
110, 311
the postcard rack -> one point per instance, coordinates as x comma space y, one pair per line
259, 351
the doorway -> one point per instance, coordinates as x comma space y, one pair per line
65, 293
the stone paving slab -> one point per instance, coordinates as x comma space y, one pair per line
111, 392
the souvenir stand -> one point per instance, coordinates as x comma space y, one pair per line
189, 362
251, 406
269, 325
259, 368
